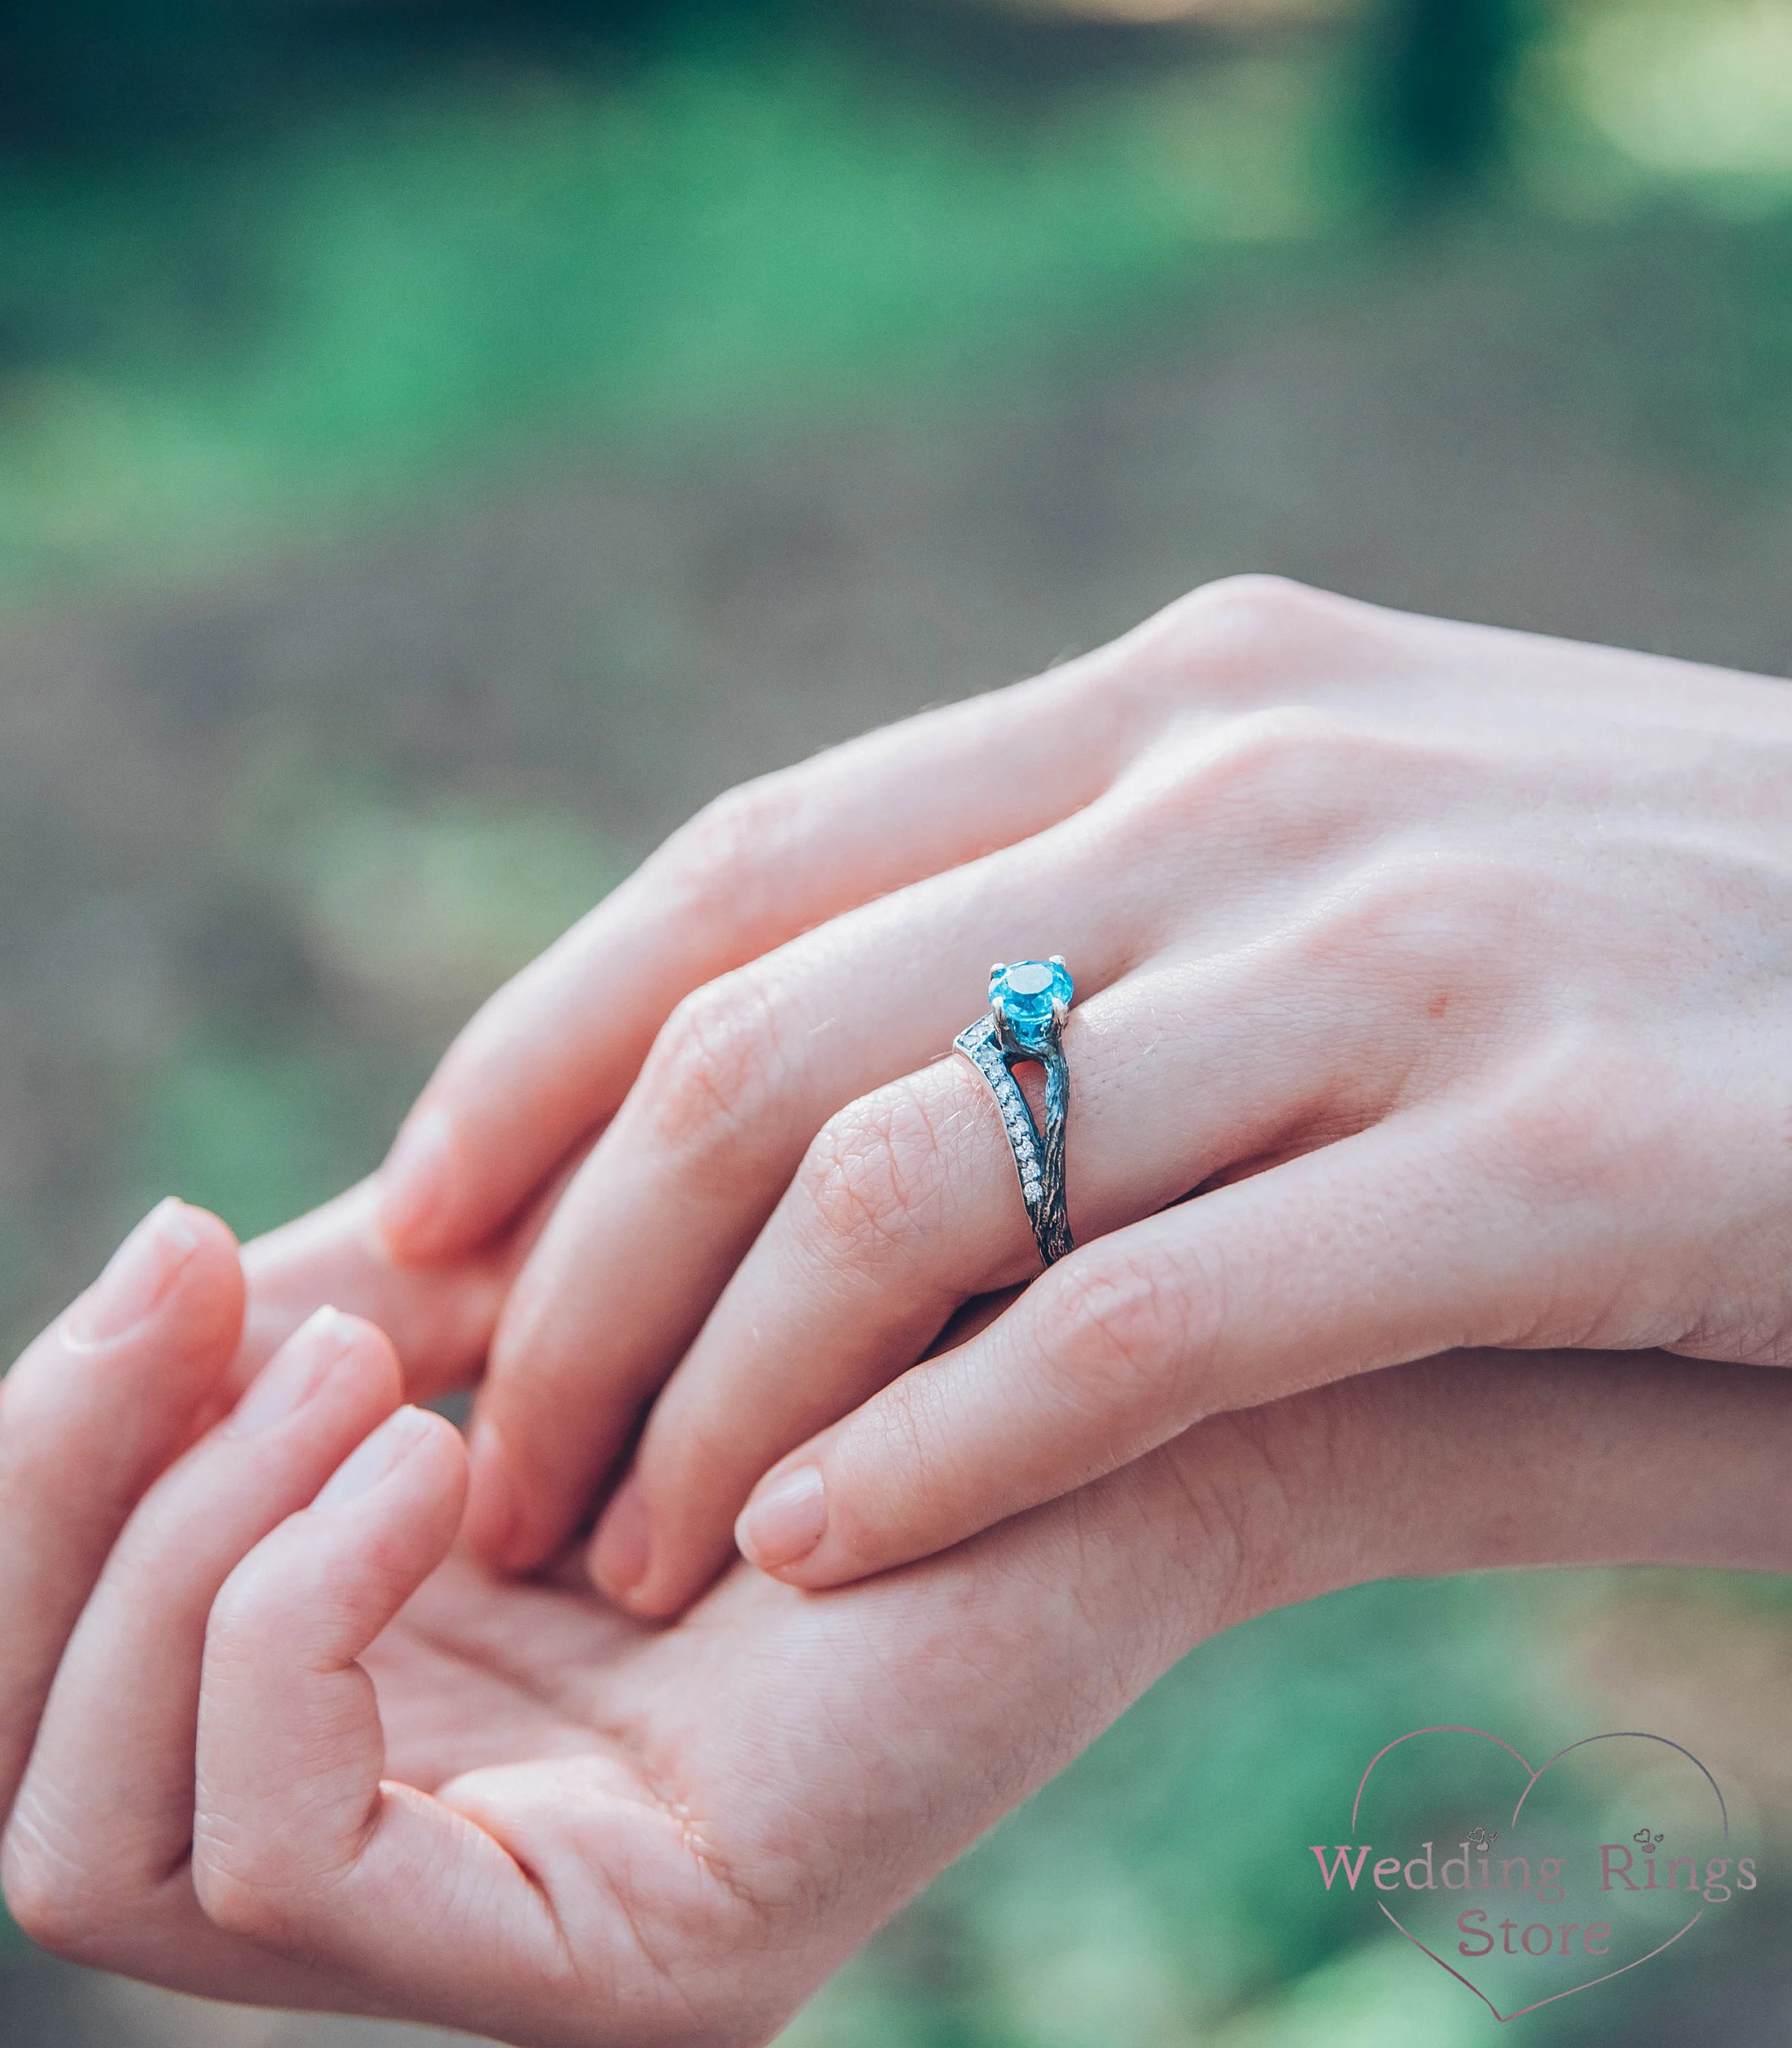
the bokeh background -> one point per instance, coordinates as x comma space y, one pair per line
443, 441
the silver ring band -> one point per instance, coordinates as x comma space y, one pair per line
994, 1046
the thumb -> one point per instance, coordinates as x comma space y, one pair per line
300, 1844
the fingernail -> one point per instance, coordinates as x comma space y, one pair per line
380, 1455
786, 1521
414, 1179
293, 1374
490, 1519
622, 1548
137, 1275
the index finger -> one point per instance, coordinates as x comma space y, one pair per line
90, 1414
549, 1058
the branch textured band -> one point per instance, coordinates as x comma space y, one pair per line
1039, 1158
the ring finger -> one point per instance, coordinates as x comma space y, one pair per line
907, 1204
749, 1069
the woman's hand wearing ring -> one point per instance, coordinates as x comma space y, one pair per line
1456, 964
253, 1745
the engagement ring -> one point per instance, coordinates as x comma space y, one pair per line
1029, 1001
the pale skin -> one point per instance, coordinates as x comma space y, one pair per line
1454, 967
263, 1738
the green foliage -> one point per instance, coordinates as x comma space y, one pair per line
247, 339
258, 1109
1445, 75
257, 1134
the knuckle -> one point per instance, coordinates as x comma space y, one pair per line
716, 867
712, 1074
55, 1899
1298, 772
1125, 1342
1437, 910
257, 1604
1252, 1502
1242, 631
252, 1878
874, 1171
240, 1901
1257, 602
1577, 1121
236, 1630
1283, 754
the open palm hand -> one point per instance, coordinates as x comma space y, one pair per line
265, 1736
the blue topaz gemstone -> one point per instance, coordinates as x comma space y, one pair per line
1027, 990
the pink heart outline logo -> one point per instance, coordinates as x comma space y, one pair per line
1532, 1777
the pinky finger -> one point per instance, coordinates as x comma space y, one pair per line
1355, 1256
299, 1843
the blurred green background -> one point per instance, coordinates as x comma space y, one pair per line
440, 444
